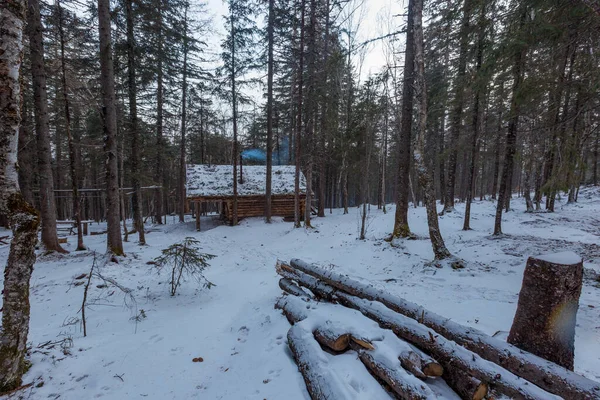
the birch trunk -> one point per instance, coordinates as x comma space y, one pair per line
23, 218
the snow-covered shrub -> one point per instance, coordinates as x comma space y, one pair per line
184, 258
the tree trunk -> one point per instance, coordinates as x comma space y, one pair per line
297, 216
424, 171
268, 178
595, 166
480, 87
107, 80
71, 144
234, 118
544, 323
511, 135
23, 218
158, 174
42, 128
401, 228
136, 198
27, 152
311, 112
182, 151
457, 110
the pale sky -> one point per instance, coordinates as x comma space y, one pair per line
371, 19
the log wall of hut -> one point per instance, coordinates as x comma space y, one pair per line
254, 206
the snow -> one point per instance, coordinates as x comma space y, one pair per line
234, 326
216, 180
562, 258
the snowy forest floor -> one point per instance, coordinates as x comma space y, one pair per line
234, 328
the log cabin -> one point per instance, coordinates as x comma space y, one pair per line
214, 183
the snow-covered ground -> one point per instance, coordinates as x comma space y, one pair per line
234, 328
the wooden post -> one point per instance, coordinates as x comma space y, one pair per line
197, 215
544, 323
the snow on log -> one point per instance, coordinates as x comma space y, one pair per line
544, 373
419, 367
378, 349
544, 323
312, 363
291, 288
405, 385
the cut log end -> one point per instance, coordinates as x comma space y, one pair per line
339, 343
481, 391
433, 369
363, 343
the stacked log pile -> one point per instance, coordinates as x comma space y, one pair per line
411, 352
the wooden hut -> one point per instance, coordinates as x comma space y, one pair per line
214, 183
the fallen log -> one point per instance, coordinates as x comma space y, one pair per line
320, 382
331, 334
448, 353
291, 288
544, 373
466, 386
400, 381
339, 336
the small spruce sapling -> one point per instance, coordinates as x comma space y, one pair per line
184, 258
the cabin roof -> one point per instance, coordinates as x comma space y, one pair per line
216, 180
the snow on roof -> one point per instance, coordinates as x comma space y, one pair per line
216, 180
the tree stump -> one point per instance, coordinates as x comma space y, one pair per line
544, 323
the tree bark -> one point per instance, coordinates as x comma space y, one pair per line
480, 86
24, 220
136, 198
544, 323
401, 228
70, 142
182, 150
511, 135
27, 152
107, 81
270, 62
234, 117
424, 170
42, 128
300, 73
457, 110
158, 174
